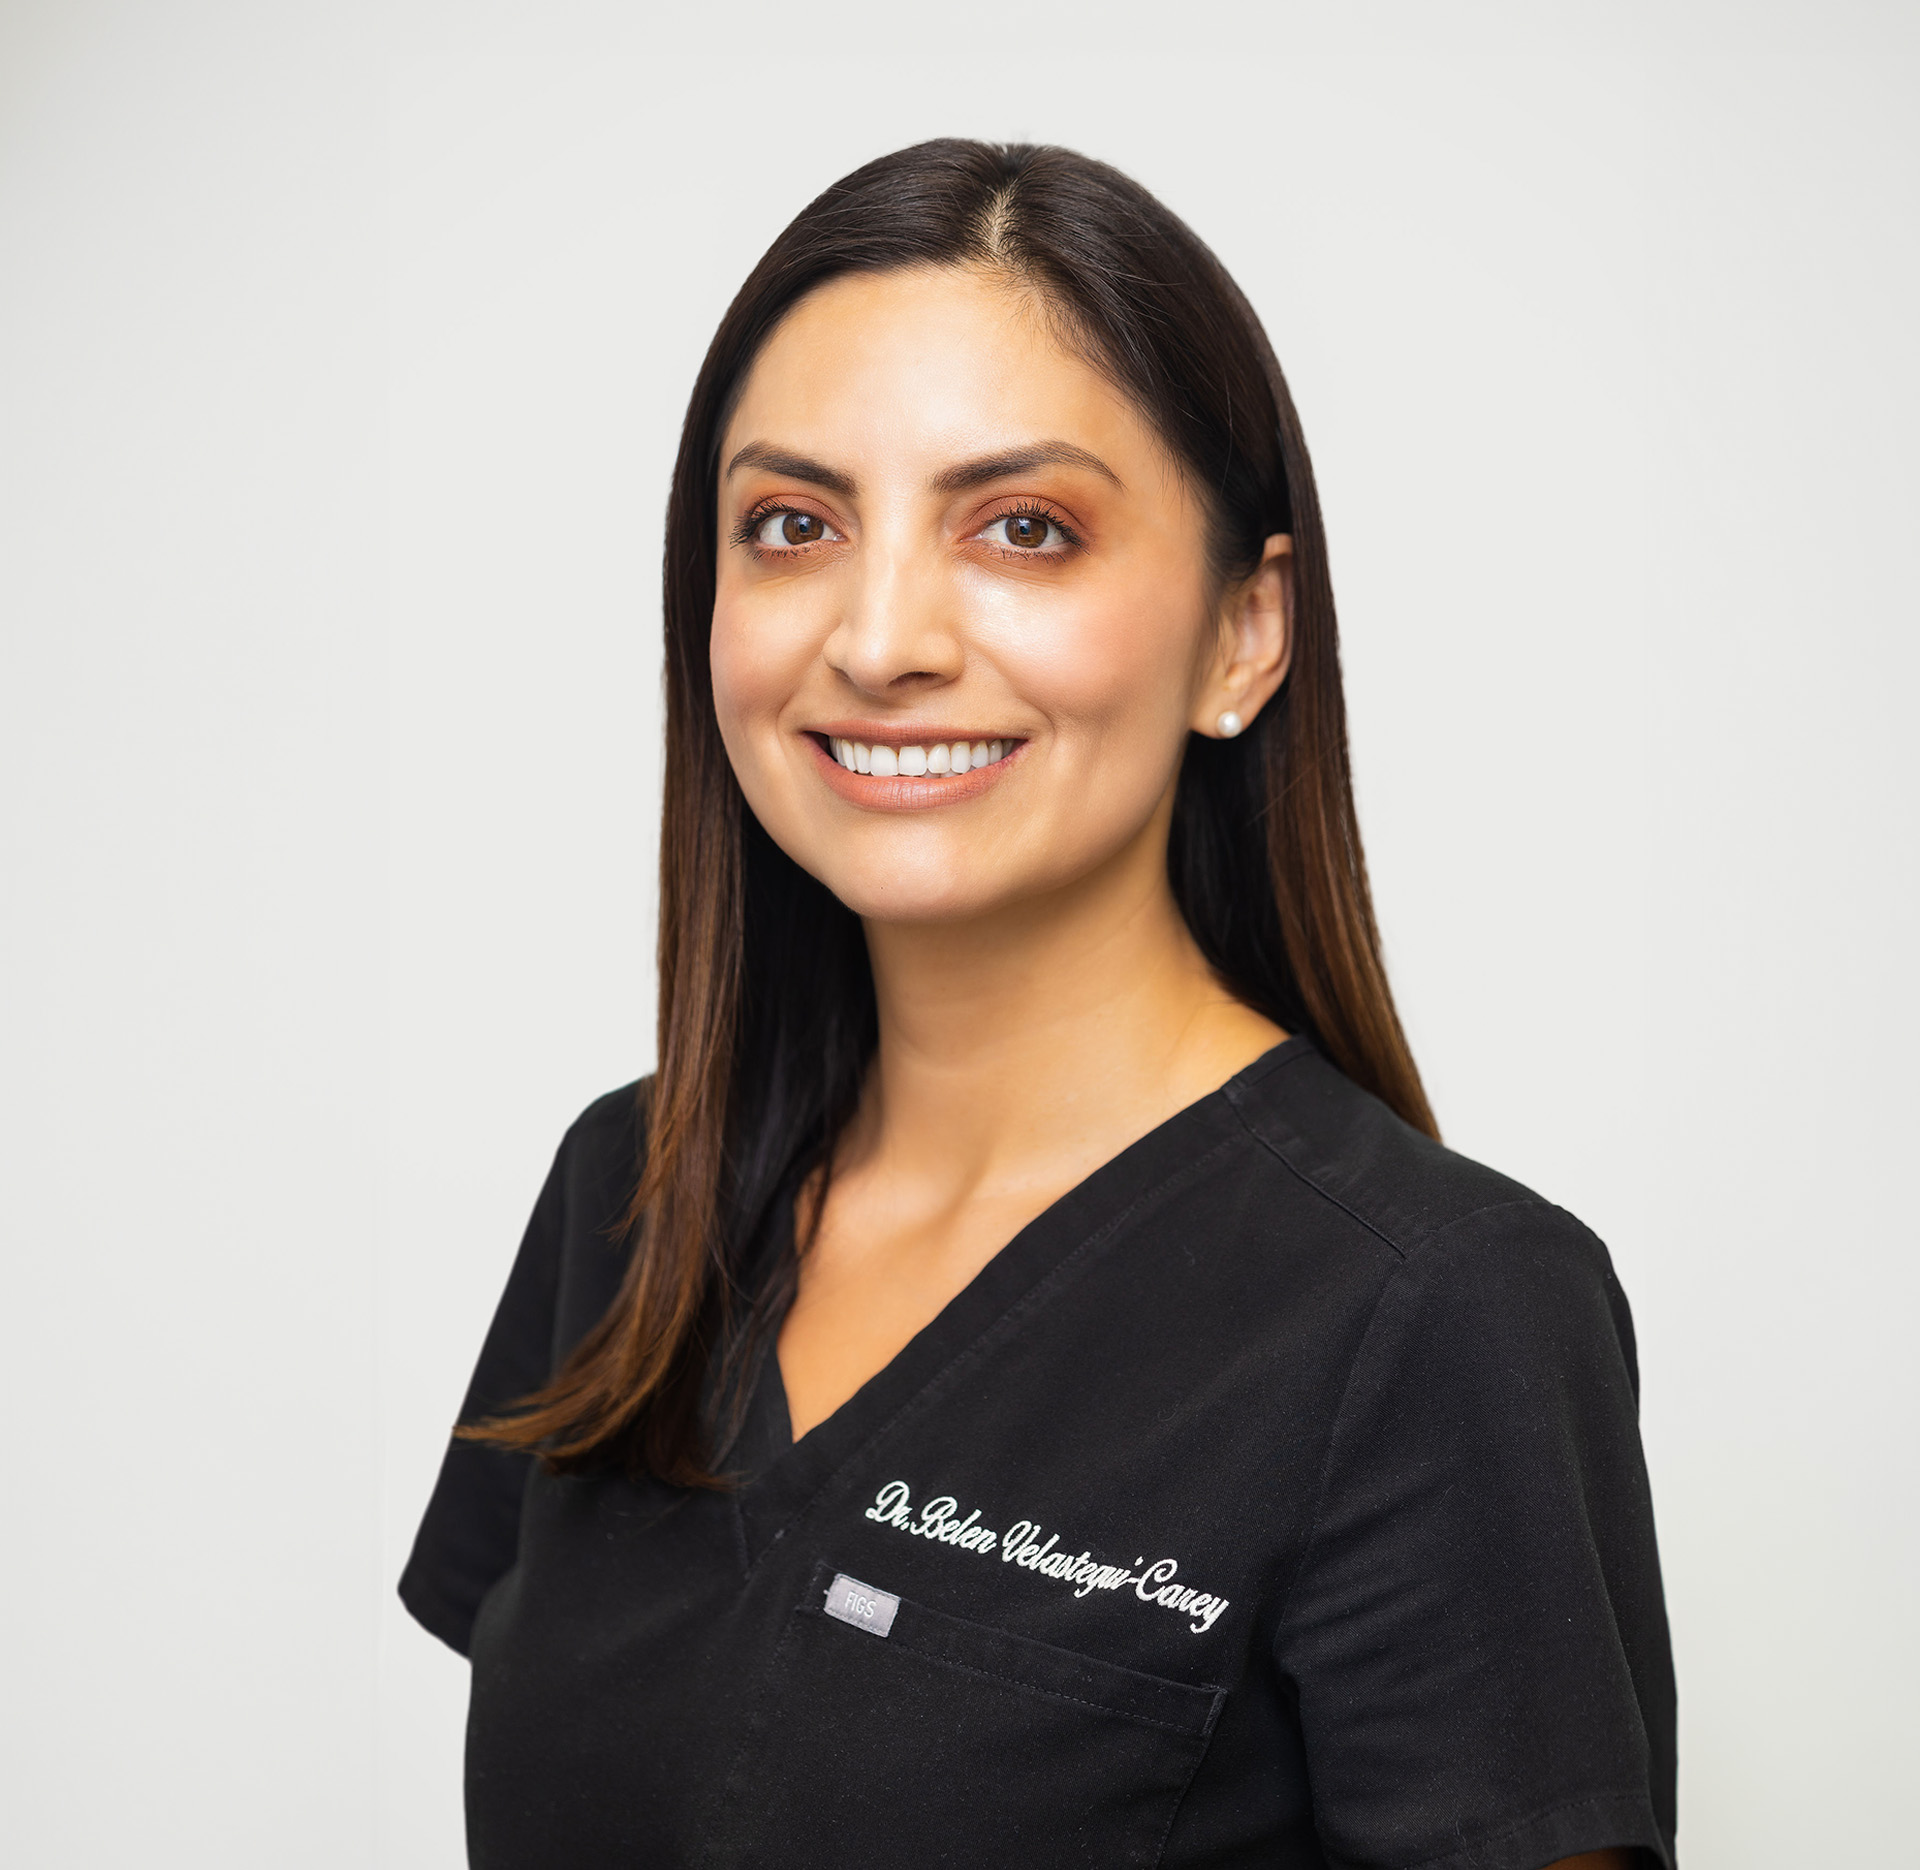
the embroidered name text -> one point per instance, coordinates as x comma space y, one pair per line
1023, 1545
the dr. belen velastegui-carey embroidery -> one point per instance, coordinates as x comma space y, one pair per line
939, 1519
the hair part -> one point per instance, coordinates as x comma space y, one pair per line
767, 1020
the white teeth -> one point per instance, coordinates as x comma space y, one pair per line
911, 762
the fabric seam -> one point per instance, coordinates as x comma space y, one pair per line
1180, 1800
1050, 1694
1325, 1194
1353, 1372
1353, 1214
1534, 1818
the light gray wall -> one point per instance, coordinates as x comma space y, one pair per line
342, 353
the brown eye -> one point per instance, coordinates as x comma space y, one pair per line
1029, 532
789, 527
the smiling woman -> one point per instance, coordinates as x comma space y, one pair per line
1052, 599
1033, 1129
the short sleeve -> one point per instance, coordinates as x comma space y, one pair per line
1476, 1634
566, 1272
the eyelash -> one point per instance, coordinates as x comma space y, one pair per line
757, 516
1035, 509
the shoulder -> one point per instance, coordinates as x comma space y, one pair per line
596, 1173
1345, 1147
610, 1122
1428, 1230
604, 1147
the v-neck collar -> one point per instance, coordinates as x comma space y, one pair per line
1043, 1259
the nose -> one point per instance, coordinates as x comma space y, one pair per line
897, 632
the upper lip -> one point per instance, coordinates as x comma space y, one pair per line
877, 734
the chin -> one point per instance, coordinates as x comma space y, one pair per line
906, 897
909, 886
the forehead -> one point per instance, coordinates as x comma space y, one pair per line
934, 363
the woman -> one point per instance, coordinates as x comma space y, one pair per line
1023, 1381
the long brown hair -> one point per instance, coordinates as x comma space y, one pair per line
767, 1019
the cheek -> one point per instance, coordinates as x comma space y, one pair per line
755, 665
1118, 657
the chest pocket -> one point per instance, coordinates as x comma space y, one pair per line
947, 1742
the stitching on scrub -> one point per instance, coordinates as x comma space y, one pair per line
1325, 1194
1495, 1207
1353, 1371
1353, 1214
1052, 1694
1326, 1460
1638, 1799
1180, 1799
1029, 1301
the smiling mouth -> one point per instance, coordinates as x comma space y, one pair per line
940, 759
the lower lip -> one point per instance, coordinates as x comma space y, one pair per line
910, 795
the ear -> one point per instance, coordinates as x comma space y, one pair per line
1256, 644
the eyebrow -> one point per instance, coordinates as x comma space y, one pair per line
983, 468
793, 466
960, 478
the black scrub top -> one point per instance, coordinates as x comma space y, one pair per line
1275, 1497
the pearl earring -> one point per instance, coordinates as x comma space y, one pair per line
1229, 724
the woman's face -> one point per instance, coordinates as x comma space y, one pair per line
963, 620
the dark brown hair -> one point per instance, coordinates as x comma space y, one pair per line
767, 1019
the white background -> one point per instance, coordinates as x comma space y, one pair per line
342, 355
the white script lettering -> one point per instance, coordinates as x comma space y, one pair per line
1025, 1546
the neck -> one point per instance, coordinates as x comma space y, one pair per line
1025, 1047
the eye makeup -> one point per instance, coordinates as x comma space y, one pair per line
1058, 537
